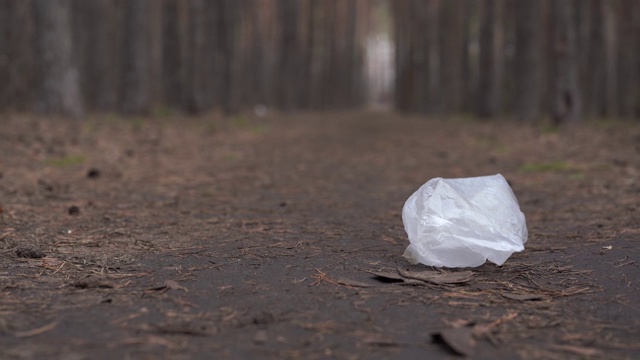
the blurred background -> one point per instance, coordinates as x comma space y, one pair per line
562, 60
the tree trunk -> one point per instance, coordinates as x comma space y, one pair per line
420, 56
403, 55
94, 51
195, 72
226, 54
289, 82
349, 72
567, 102
434, 57
527, 59
451, 64
6, 13
628, 58
58, 85
308, 54
171, 55
595, 86
489, 93
136, 52
611, 58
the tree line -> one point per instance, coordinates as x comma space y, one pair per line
528, 59
137, 56
560, 59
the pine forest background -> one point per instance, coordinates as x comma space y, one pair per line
562, 60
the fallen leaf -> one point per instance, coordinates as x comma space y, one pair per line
459, 340
353, 283
438, 278
169, 285
173, 285
387, 276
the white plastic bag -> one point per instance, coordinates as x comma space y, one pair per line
463, 222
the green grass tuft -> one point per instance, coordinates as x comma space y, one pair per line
66, 161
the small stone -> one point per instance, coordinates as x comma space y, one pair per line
261, 337
93, 173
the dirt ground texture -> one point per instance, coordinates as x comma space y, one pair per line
259, 238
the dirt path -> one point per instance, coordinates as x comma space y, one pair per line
259, 238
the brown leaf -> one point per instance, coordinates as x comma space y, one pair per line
173, 285
387, 276
353, 283
438, 278
169, 285
460, 340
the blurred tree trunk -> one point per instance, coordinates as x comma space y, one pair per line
451, 64
137, 56
93, 52
334, 40
629, 58
215, 61
433, 56
468, 67
171, 55
20, 58
308, 54
595, 77
329, 47
527, 59
611, 57
58, 85
6, 13
349, 59
489, 93
407, 51
290, 81
226, 54
194, 84
420, 56
155, 54
567, 102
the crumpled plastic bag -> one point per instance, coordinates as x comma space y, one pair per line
463, 222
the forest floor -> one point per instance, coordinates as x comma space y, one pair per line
253, 238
